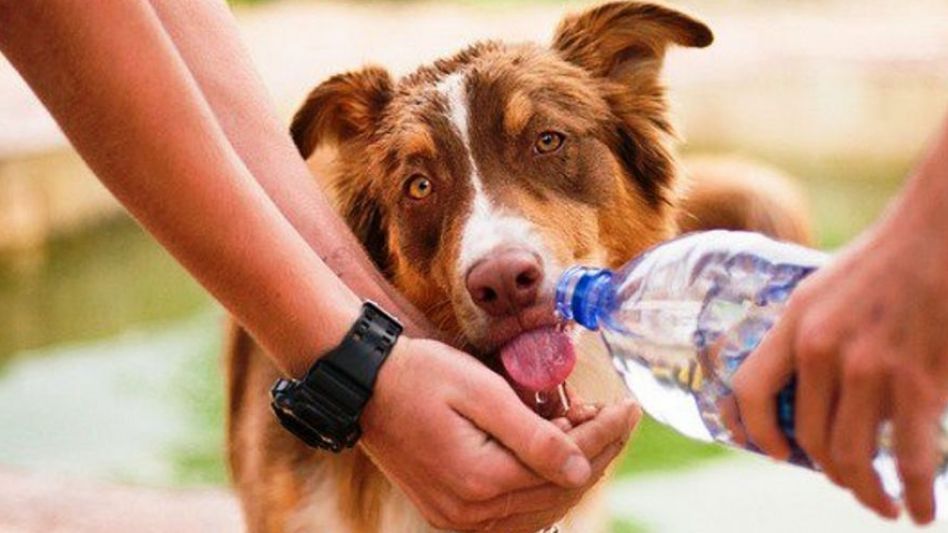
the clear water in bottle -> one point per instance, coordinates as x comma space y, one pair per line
681, 318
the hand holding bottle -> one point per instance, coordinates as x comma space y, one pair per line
867, 339
682, 320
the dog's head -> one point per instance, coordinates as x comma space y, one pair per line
475, 181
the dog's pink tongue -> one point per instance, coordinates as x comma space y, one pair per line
539, 360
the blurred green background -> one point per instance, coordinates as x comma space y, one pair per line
110, 351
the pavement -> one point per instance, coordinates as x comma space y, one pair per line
741, 495
746, 495
38, 503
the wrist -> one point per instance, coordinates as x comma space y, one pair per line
918, 219
323, 334
364, 279
920, 212
325, 407
920, 206
913, 236
387, 382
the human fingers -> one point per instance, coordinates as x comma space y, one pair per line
580, 413
572, 395
914, 426
757, 382
539, 444
539, 507
549, 496
731, 418
546, 515
612, 425
817, 366
853, 440
563, 423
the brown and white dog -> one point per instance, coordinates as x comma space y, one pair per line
473, 183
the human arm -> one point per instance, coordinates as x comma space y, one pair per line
206, 37
128, 103
114, 82
866, 338
233, 90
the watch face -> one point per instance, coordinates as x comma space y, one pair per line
305, 432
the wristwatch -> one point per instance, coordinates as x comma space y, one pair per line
323, 408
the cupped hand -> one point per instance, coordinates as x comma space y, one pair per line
867, 338
470, 455
594, 429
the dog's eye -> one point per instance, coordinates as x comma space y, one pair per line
418, 187
549, 142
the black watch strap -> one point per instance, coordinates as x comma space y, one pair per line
362, 352
323, 408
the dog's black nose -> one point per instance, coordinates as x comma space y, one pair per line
505, 282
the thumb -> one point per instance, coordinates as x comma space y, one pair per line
757, 383
538, 443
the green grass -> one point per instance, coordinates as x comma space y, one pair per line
625, 525
199, 458
655, 447
91, 285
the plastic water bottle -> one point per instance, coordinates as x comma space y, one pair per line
681, 318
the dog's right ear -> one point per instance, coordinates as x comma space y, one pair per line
341, 109
610, 39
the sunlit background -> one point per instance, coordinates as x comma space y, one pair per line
109, 352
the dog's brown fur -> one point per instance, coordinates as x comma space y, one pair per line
606, 197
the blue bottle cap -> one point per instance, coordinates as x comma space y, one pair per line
578, 293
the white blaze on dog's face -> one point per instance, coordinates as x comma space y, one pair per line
499, 244
474, 182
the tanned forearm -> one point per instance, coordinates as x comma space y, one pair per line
924, 197
208, 41
129, 105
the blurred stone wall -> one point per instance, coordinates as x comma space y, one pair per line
48, 193
798, 78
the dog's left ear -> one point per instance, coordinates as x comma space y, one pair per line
625, 43
621, 39
344, 111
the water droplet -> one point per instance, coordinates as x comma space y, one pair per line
563, 398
